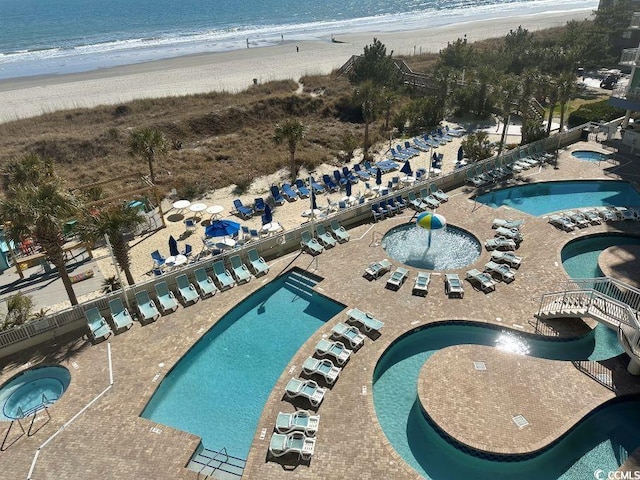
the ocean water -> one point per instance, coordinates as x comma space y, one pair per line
40, 37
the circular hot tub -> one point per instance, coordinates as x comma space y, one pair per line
590, 155
450, 248
31, 390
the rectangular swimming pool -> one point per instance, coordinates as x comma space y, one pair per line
218, 389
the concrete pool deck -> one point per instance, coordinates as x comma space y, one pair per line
110, 440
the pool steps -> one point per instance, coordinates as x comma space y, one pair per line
216, 464
301, 284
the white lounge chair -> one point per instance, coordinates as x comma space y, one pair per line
296, 442
397, 278
511, 233
501, 271
606, 213
377, 269
325, 368
299, 421
421, 286
366, 320
484, 281
348, 333
453, 286
562, 223
337, 350
306, 389
577, 218
499, 243
591, 215
500, 222
509, 258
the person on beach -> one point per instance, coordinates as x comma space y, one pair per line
297, 49
247, 43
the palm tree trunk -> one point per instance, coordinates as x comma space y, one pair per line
58, 262
365, 148
563, 107
503, 137
292, 158
552, 107
121, 252
52, 247
151, 174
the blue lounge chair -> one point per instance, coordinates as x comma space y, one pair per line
397, 155
346, 173
389, 205
310, 244
222, 276
400, 202
368, 322
244, 212
147, 310
277, 196
330, 184
315, 186
340, 180
308, 389
376, 213
239, 270
303, 191
120, 315
158, 259
186, 291
364, 176
289, 193
204, 283
325, 239
166, 298
98, 327
256, 263
258, 205
339, 232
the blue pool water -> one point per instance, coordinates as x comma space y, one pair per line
545, 197
580, 257
599, 442
218, 389
590, 155
29, 390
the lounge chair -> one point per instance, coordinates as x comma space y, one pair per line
98, 327
377, 269
349, 175
186, 291
315, 186
157, 258
239, 270
296, 442
259, 205
337, 350
483, 281
306, 389
577, 218
397, 278
501, 271
244, 212
438, 194
299, 421
147, 310
363, 175
421, 286
513, 234
339, 232
499, 243
348, 333
330, 184
366, 320
277, 196
120, 315
310, 244
562, 223
509, 258
166, 298
325, 368
591, 215
511, 224
453, 286
221, 276
324, 237
606, 213
303, 191
289, 193
429, 199
342, 181
205, 283
256, 263
416, 203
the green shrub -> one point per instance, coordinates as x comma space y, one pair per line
594, 112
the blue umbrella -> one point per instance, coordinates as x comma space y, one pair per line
460, 154
347, 189
173, 247
267, 217
378, 177
222, 228
406, 168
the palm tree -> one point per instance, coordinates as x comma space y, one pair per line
552, 96
566, 89
367, 94
292, 132
114, 222
388, 97
508, 91
40, 210
147, 143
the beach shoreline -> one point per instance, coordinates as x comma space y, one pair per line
236, 70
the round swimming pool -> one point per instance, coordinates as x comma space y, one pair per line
590, 155
580, 256
451, 247
28, 391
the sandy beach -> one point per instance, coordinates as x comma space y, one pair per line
236, 70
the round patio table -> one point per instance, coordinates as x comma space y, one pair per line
215, 211
197, 208
226, 242
181, 205
408, 180
175, 262
307, 213
272, 227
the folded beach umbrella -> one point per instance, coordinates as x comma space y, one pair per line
222, 228
267, 216
173, 246
378, 176
460, 153
435, 157
347, 189
406, 168
314, 205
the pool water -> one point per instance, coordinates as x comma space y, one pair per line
450, 248
218, 389
580, 257
546, 197
590, 155
28, 391
602, 441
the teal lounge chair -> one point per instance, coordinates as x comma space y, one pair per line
296, 442
368, 322
421, 286
511, 233
348, 333
337, 350
166, 298
397, 278
239, 270
339, 232
310, 244
453, 286
147, 310
325, 368
300, 421
98, 327
307, 389
438, 194
204, 283
325, 239
120, 315
483, 281
377, 269
256, 263
186, 291
222, 276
